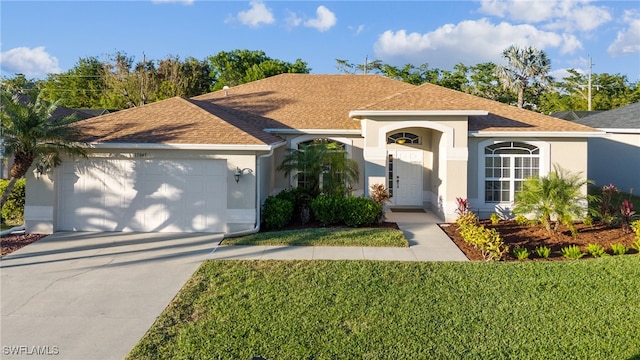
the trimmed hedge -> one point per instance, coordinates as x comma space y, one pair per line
276, 212
13, 210
350, 211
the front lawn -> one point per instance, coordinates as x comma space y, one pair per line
325, 237
402, 310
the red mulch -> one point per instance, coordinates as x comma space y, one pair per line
530, 237
11, 243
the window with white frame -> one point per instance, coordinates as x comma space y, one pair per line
507, 165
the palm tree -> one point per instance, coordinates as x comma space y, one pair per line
323, 164
528, 67
31, 135
557, 195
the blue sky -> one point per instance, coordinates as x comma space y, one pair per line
40, 37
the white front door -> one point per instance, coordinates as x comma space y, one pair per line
405, 169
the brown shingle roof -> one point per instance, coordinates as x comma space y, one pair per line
299, 101
171, 121
501, 117
303, 101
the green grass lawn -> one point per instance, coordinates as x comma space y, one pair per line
587, 309
325, 237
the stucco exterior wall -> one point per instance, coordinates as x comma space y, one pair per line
615, 159
42, 194
568, 153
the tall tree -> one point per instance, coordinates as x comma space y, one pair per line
82, 86
31, 135
527, 68
241, 66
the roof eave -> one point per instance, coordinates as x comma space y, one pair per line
314, 131
157, 146
557, 134
359, 114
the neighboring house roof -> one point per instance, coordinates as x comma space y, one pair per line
572, 115
627, 117
501, 117
303, 101
171, 121
60, 111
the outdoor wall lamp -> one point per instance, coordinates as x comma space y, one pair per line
239, 172
38, 171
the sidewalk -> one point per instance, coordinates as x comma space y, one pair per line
427, 242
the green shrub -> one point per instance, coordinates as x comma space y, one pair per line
300, 197
467, 219
543, 251
635, 226
636, 245
572, 252
488, 241
588, 220
596, 250
327, 209
495, 219
521, 253
359, 211
618, 249
276, 212
13, 210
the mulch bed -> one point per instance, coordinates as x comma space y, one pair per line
11, 243
530, 237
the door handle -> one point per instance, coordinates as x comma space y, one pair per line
398, 181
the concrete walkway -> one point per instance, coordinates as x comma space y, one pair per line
427, 242
92, 295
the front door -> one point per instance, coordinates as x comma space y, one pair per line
405, 177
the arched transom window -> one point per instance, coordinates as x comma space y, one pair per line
507, 165
403, 138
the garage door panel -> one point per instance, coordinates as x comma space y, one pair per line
143, 195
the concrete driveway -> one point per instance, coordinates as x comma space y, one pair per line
92, 295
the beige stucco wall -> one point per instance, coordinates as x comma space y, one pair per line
41, 203
354, 147
444, 148
568, 153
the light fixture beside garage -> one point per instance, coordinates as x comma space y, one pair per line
239, 172
38, 171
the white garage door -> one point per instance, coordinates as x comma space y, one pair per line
102, 194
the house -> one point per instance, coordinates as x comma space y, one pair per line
207, 163
615, 158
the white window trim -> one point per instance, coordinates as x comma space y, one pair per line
545, 164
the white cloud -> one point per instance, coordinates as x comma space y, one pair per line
30, 62
184, 2
257, 15
292, 20
324, 21
469, 42
628, 40
566, 15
